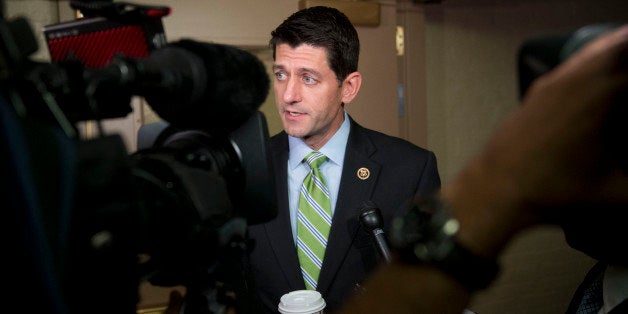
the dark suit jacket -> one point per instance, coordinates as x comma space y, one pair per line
398, 171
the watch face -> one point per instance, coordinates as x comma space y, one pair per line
428, 236
426, 232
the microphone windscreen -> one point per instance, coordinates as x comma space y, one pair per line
236, 86
370, 216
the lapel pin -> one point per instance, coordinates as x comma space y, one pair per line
364, 173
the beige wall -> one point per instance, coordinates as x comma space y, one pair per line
461, 81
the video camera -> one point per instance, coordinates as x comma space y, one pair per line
87, 220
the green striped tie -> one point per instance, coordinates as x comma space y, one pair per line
314, 220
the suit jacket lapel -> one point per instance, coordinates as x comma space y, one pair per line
279, 230
353, 192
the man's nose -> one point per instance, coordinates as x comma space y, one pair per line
292, 92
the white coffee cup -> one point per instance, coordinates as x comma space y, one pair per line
302, 302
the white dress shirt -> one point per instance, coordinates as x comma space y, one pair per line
615, 287
334, 149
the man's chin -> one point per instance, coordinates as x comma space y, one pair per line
294, 131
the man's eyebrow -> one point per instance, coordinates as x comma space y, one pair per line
299, 71
310, 71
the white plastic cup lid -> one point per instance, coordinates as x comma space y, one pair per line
301, 302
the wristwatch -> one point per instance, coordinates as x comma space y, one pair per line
426, 234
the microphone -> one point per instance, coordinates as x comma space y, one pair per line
371, 219
194, 84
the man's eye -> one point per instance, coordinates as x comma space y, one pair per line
309, 80
280, 76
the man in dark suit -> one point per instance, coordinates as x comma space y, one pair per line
315, 55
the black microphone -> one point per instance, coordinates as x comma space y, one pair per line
371, 219
195, 85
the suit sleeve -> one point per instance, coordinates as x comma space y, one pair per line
430, 179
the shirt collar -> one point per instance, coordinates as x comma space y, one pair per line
615, 289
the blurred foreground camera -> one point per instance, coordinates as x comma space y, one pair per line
87, 221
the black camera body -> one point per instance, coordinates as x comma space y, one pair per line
87, 220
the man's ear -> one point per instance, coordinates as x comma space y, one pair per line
351, 86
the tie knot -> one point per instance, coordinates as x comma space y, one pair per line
315, 159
